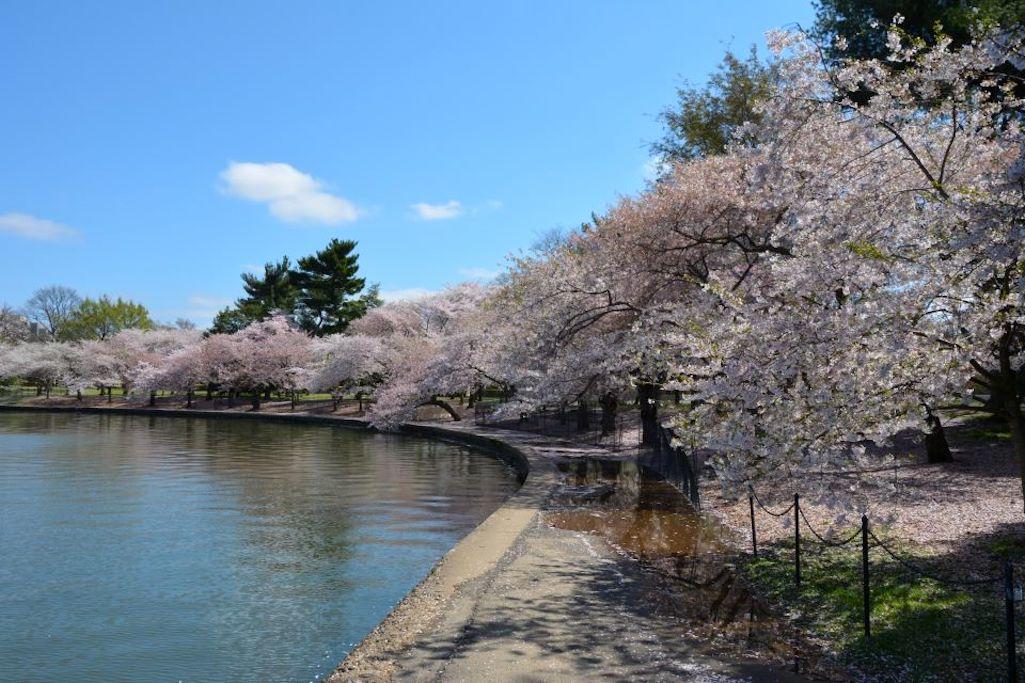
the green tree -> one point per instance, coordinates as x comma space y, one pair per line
322, 294
234, 318
329, 289
275, 291
704, 120
103, 318
864, 23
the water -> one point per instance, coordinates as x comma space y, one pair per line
168, 549
690, 572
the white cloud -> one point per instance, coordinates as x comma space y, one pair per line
30, 227
478, 273
437, 212
405, 294
290, 194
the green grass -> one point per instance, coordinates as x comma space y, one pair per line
988, 433
13, 395
921, 630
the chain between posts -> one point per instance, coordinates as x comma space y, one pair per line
869, 540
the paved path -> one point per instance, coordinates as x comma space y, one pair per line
542, 604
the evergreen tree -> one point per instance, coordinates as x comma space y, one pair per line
704, 120
329, 289
864, 23
321, 295
234, 318
275, 291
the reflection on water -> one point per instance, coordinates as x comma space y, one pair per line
148, 548
641, 515
692, 575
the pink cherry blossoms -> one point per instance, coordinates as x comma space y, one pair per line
851, 268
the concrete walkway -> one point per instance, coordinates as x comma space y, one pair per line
517, 600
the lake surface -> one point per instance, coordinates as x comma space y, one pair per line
170, 549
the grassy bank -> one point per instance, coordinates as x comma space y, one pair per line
921, 630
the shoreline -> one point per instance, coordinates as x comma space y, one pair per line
470, 558
516, 598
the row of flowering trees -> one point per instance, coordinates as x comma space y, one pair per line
389, 353
850, 267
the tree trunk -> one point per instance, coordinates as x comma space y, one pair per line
583, 417
47, 391
39, 390
231, 398
444, 406
647, 397
1017, 426
188, 398
209, 391
994, 409
152, 398
110, 394
256, 400
608, 413
936, 447
78, 394
1008, 390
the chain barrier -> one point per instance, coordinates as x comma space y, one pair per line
869, 540
774, 514
921, 572
826, 541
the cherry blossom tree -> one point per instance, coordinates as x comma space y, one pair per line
898, 289
43, 365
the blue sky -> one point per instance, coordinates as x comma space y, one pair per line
157, 150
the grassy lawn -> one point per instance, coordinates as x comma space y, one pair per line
982, 431
921, 630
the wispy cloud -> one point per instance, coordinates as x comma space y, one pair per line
290, 194
30, 227
479, 273
405, 294
438, 212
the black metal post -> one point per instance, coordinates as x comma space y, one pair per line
754, 534
797, 540
1012, 649
866, 597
